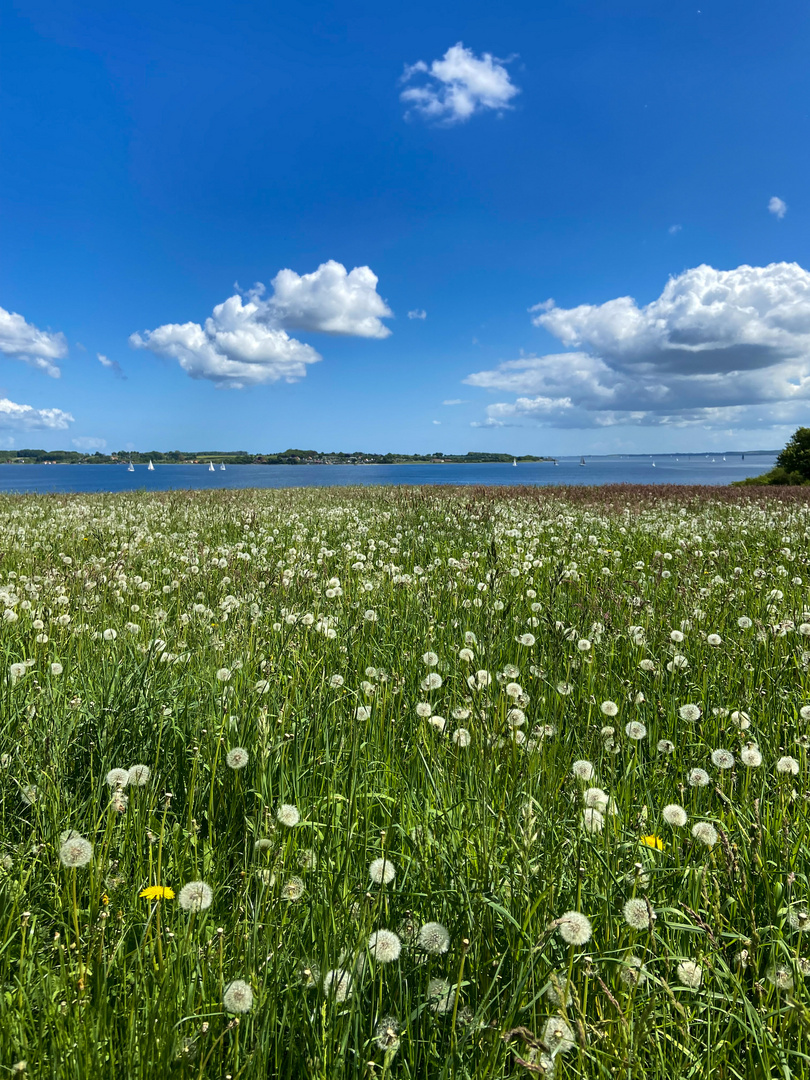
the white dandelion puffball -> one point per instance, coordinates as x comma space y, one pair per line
744, 622
638, 915
526, 639
584, 645
698, 778
75, 852
238, 997
237, 758
433, 938
592, 820
633, 971
382, 872
384, 946
787, 766
117, 777
705, 833
714, 640
582, 770
689, 974
423, 709
799, 919
635, 730
665, 746
139, 775
689, 712
462, 737
751, 756
675, 815
336, 680
558, 1036
676, 636
430, 659
596, 799
516, 718
432, 681
288, 815
224, 674
723, 759
780, 976
337, 982
110, 635
56, 669
467, 655
804, 712
575, 928
362, 712
293, 889
195, 896
609, 708
437, 722
386, 1034
740, 720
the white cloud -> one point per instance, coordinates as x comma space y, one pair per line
455, 401
244, 343
87, 442
330, 301
673, 229
16, 417
777, 206
716, 347
418, 313
458, 85
437, 423
36, 347
111, 365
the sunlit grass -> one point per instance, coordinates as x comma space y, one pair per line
415, 783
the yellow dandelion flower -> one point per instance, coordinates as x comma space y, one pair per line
105, 899
653, 841
158, 892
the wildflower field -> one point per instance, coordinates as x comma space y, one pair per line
405, 783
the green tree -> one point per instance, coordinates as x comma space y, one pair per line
795, 458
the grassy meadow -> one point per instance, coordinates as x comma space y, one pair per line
405, 783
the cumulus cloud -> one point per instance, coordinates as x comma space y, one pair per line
453, 89
88, 442
417, 313
331, 301
777, 206
244, 342
36, 347
14, 417
715, 348
111, 365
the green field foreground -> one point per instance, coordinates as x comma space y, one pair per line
414, 783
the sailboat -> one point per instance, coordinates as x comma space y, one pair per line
582, 461
514, 461
653, 464
556, 462
222, 467
130, 467
210, 466
150, 467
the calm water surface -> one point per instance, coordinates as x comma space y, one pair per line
665, 470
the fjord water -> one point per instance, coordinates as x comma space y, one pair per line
660, 469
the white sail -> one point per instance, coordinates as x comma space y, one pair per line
130, 467
150, 467
582, 461
514, 461
222, 467
210, 466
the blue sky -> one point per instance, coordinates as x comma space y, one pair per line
601, 211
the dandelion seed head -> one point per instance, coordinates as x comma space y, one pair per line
238, 997
698, 778
75, 852
382, 872
574, 928
751, 756
139, 775
787, 766
674, 815
117, 778
384, 946
596, 799
386, 1035
723, 759
237, 758
665, 746
780, 976
689, 712
583, 770
462, 737
609, 708
293, 889
558, 1036
195, 896
635, 730
423, 709
637, 914
592, 820
288, 815
633, 972
689, 974
433, 938
705, 833
338, 983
